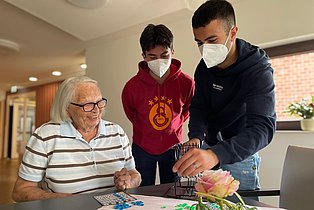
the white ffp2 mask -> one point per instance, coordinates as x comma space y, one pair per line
159, 66
214, 54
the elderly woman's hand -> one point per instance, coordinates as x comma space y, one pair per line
122, 179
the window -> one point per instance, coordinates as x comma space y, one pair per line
293, 66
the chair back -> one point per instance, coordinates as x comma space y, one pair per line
297, 182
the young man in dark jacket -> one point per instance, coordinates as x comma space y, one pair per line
233, 106
157, 102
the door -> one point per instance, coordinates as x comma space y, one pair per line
21, 124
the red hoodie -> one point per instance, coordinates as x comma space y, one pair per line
158, 111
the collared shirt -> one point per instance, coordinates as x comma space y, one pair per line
57, 156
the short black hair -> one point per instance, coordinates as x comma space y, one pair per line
154, 35
212, 10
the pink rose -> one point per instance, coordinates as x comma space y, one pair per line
217, 182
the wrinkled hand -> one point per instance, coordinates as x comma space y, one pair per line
122, 179
195, 161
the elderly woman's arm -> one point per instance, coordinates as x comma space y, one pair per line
29, 191
124, 179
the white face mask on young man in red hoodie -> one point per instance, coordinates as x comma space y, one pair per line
159, 66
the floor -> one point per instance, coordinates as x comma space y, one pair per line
8, 175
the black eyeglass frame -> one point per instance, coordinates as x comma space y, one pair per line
89, 103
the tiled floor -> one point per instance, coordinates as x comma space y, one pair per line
8, 175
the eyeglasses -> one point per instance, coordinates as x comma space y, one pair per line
88, 107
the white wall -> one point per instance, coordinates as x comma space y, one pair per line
273, 22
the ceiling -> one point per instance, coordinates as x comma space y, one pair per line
53, 34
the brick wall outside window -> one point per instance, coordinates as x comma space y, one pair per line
294, 80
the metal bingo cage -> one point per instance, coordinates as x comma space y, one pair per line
184, 186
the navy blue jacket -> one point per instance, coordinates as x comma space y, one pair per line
233, 109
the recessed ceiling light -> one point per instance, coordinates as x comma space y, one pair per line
56, 73
83, 65
88, 4
33, 79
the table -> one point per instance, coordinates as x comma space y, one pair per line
87, 202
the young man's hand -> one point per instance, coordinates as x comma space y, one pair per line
195, 161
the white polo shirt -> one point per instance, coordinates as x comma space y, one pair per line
58, 155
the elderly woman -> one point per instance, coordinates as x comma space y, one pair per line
76, 152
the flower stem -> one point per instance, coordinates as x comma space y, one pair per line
218, 200
239, 197
221, 204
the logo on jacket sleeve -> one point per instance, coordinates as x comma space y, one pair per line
160, 114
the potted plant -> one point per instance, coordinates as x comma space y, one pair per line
304, 109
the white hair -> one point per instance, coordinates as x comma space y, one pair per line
64, 95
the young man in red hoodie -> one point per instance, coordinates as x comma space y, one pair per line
156, 101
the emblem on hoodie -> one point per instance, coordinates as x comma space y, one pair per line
160, 114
